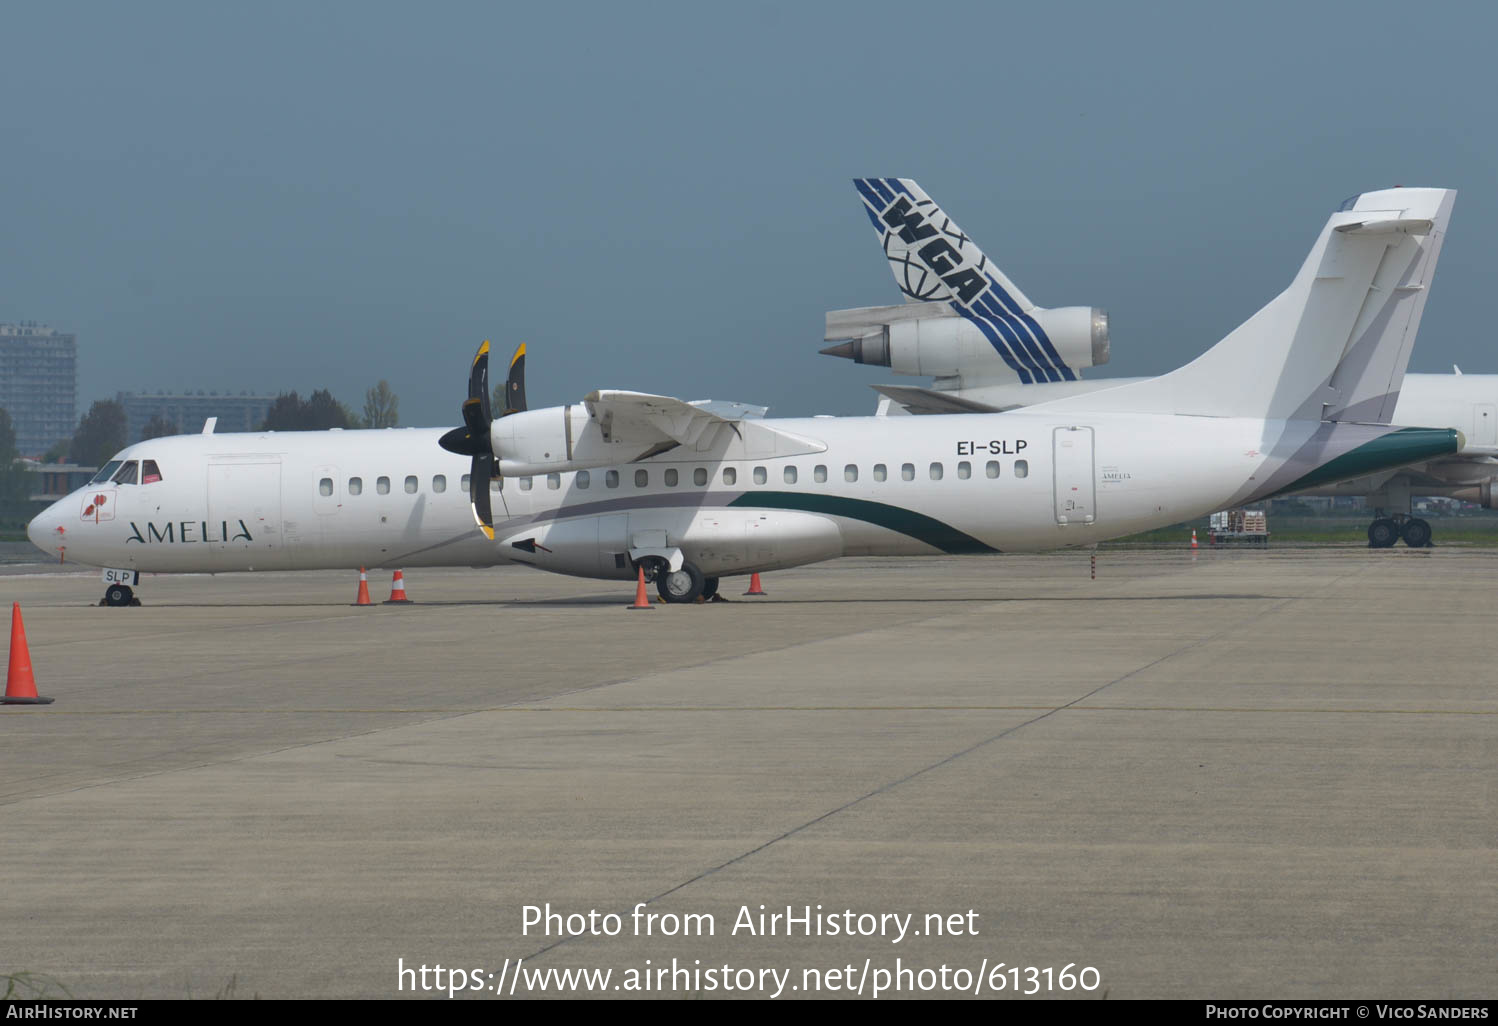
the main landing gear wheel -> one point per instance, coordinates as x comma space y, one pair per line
119, 595
1382, 533
710, 588
1416, 533
682, 585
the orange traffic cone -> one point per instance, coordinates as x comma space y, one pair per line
1193, 537
755, 588
20, 685
397, 591
642, 600
363, 597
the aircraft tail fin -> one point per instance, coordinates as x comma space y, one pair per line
933, 260
1332, 346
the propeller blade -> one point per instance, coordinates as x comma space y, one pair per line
478, 382
472, 439
478, 492
515, 384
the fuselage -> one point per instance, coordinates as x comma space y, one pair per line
864, 486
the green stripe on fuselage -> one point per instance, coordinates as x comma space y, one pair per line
1397, 448
907, 522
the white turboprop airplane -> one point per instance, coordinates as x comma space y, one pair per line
688, 493
997, 350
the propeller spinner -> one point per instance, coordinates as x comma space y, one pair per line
472, 439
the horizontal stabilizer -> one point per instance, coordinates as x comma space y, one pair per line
866, 320
1389, 226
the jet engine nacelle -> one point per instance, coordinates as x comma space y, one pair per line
556, 439
938, 342
1483, 493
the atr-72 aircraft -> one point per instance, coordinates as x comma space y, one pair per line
691, 492
996, 350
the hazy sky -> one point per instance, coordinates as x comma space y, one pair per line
657, 196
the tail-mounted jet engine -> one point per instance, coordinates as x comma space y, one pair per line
933, 339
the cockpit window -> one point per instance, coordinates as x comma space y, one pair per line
127, 473
148, 472
105, 472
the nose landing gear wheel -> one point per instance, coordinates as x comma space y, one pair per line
119, 595
1382, 533
1416, 533
682, 585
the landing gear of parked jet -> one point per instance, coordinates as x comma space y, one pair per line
1385, 531
1416, 533
119, 595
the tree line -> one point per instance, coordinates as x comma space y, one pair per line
102, 430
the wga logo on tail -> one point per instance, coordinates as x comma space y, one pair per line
941, 258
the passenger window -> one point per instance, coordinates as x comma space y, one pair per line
936, 471
583, 479
411, 484
525, 484
642, 478
325, 486
819, 474
730, 475
699, 477
992, 470
907, 471
148, 472
1021, 468
850, 472
382, 485
964, 470
760, 476
789, 474
553, 481
611, 479
355, 486
464, 485
439, 484
879, 472
127, 473
671, 478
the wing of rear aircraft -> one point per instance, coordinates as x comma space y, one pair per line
926, 401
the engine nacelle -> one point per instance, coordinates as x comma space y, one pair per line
1482, 493
932, 339
556, 439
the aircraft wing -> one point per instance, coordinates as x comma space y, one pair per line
923, 401
639, 416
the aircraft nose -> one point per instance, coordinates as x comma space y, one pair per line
43, 530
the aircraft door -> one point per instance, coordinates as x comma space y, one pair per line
1485, 424
1076, 492
244, 510
613, 545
